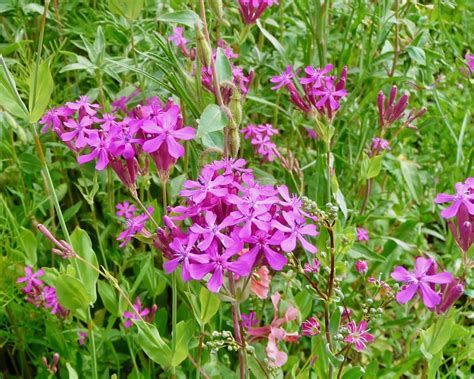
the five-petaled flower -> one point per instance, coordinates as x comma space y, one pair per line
358, 335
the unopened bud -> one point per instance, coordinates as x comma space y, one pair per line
216, 6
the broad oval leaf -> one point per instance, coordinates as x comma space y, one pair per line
187, 17
212, 119
184, 333
41, 93
153, 345
209, 304
71, 293
82, 245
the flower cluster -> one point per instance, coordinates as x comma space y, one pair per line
139, 313
135, 222
251, 10
237, 224
117, 140
260, 138
275, 333
423, 281
470, 61
390, 112
322, 91
39, 294
462, 211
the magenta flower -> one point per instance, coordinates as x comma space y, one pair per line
124, 140
449, 294
83, 106
54, 119
310, 327
126, 209
283, 79
216, 264
80, 132
422, 280
358, 335
211, 231
178, 37
312, 268
329, 96
362, 234
99, 150
249, 320
379, 145
81, 338
317, 76
464, 196
31, 279
251, 10
261, 242
164, 127
139, 314
470, 61
135, 225
182, 253
311, 133
296, 229
361, 266
206, 185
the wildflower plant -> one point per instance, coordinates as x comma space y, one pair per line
250, 188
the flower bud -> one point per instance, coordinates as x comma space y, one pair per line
216, 6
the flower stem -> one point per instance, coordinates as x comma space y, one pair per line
174, 312
235, 308
90, 326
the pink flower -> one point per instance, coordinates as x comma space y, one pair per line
249, 320
31, 279
295, 229
470, 61
311, 133
178, 37
283, 79
362, 234
99, 150
379, 145
310, 327
275, 333
126, 209
313, 267
361, 266
464, 196
81, 338
80, 131
84, 106
164, 128
139, 313
317, 76
358, 335
260, 282
422, 280
135, 225
251, 10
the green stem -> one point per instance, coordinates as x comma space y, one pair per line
174, 312
90, 325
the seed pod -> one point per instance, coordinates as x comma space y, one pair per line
216, 6
203, 48
235, 107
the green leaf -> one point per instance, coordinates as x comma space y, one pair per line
277, 45
30, 245
71, 292
375, 166
109, 297
212, 119
338, 196
187, 17
71, 371
40, 96
353, 373
130, 9
223, 68
363, 251
153, 345
209, 305
304, 303
29, 163
214, 140
184, 333
412, 178
9, 97
82, 245
417, 54
437, 336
